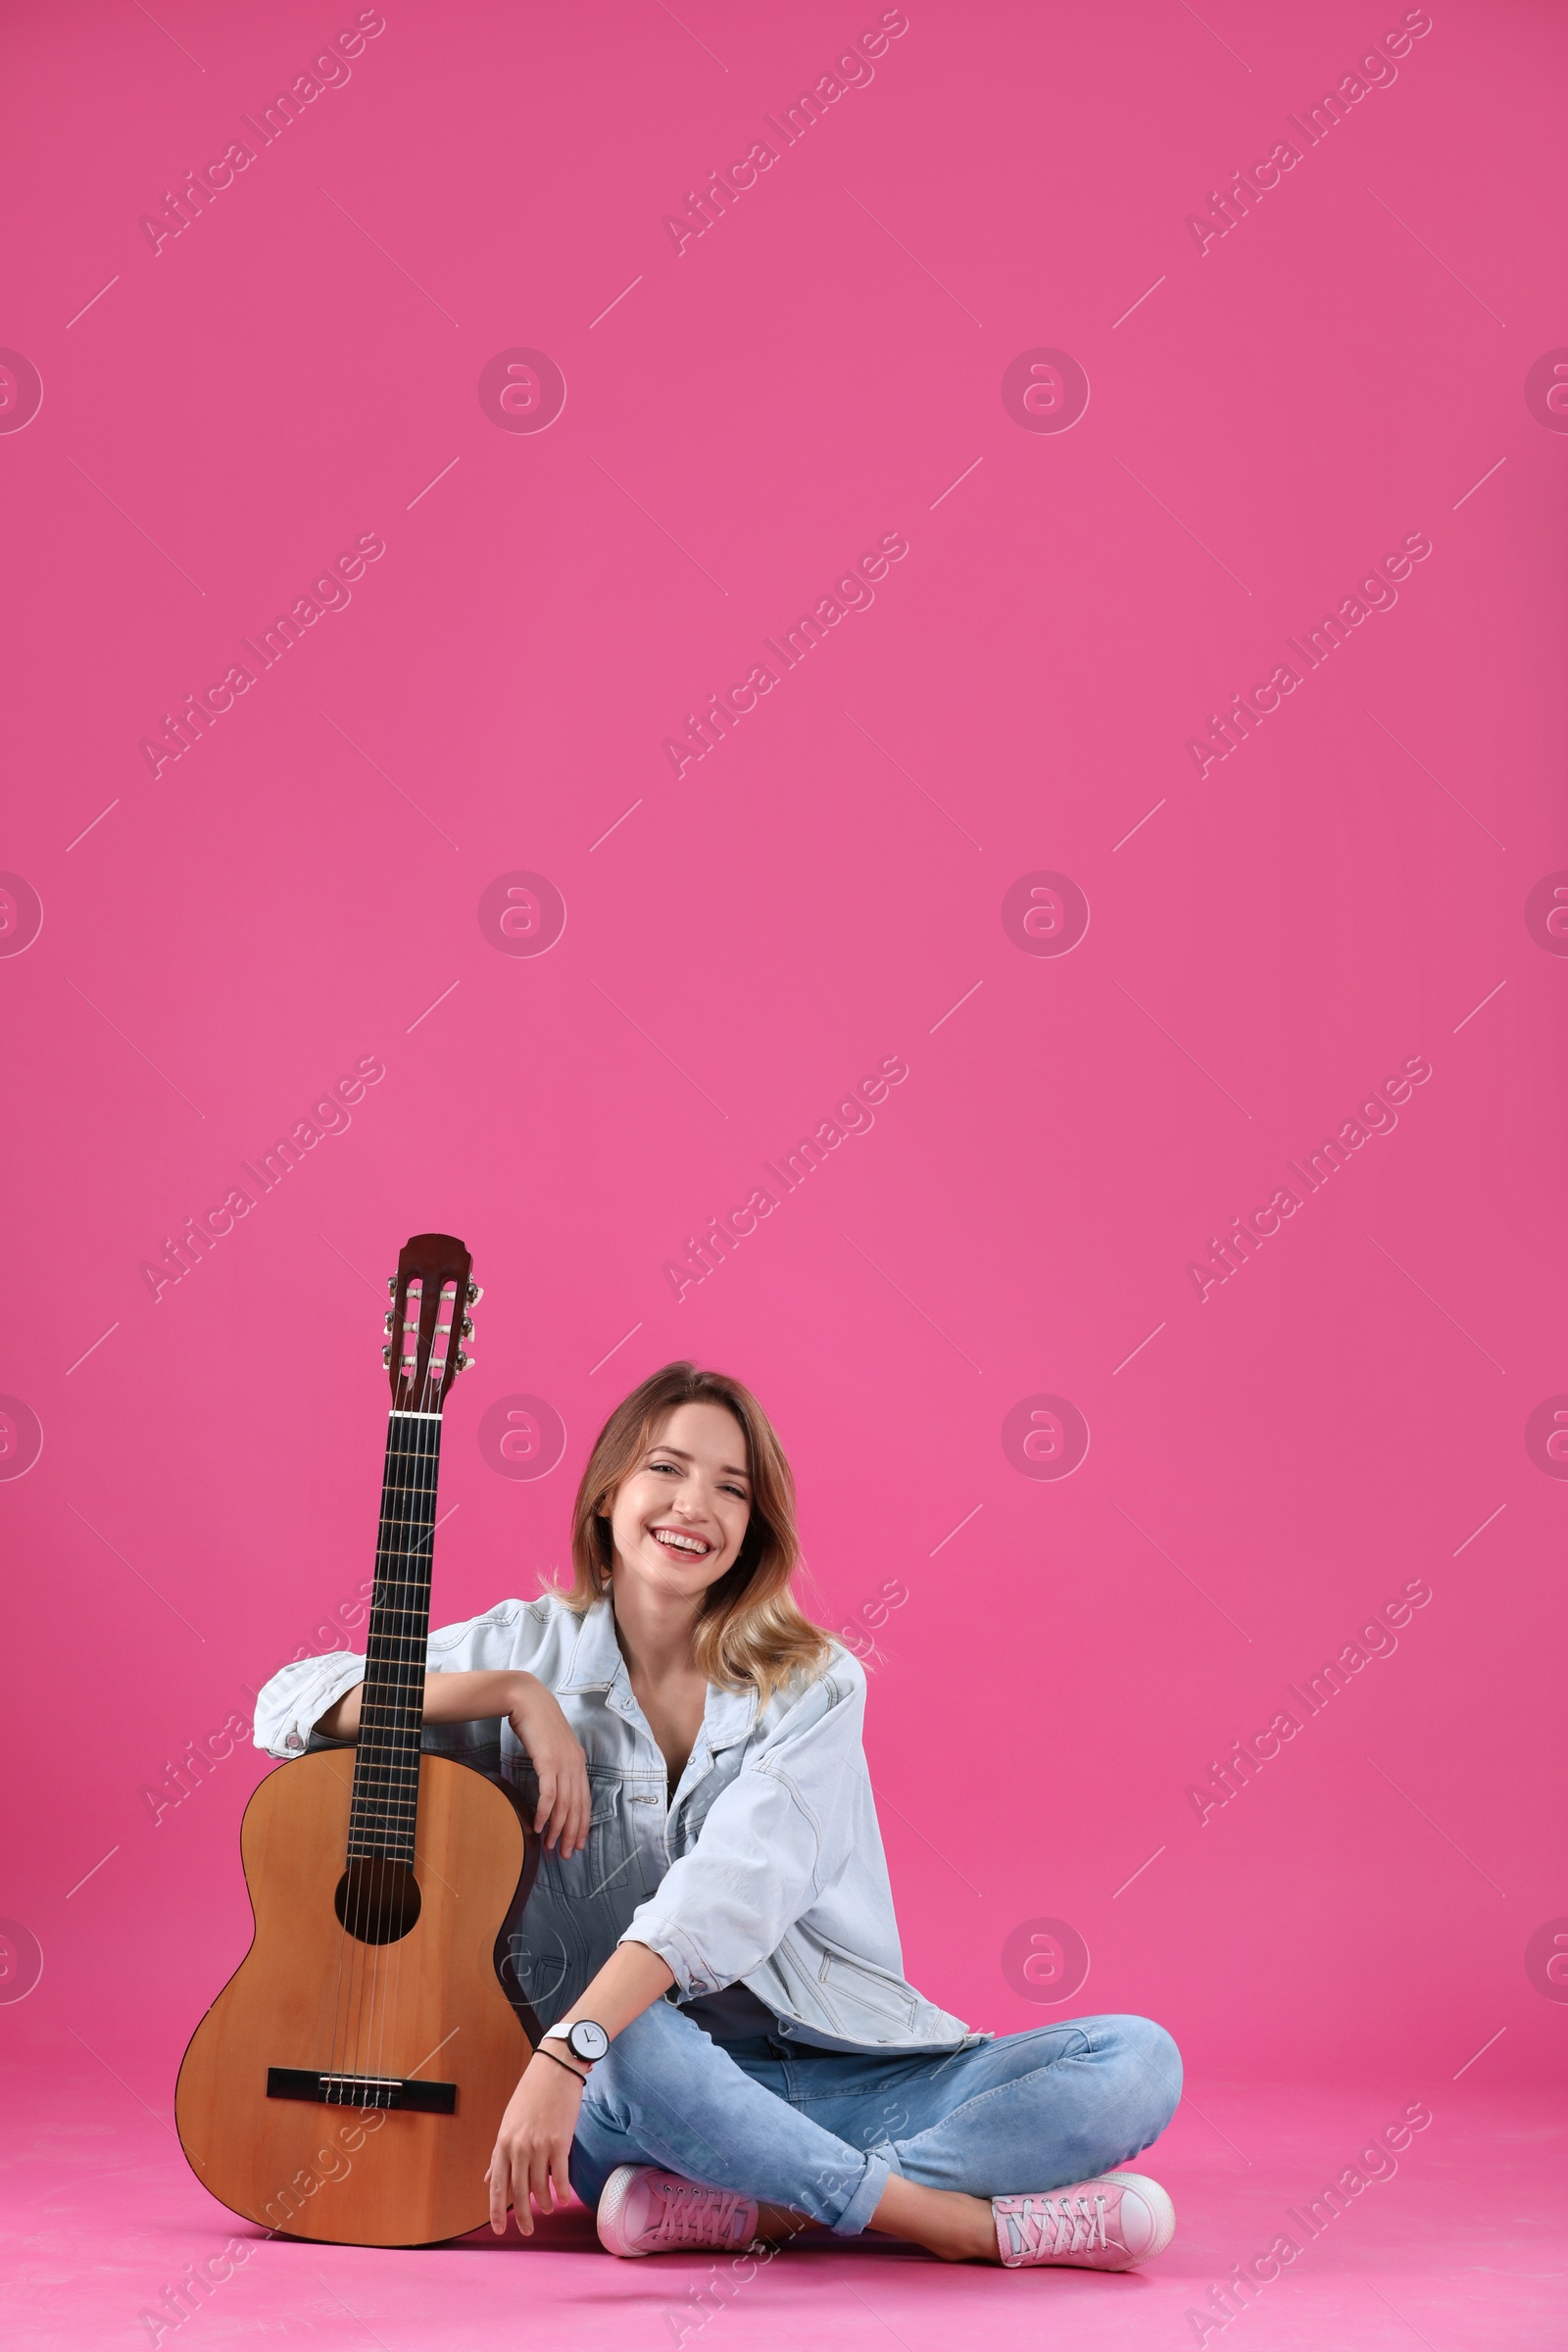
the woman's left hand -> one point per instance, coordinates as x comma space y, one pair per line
533, 2145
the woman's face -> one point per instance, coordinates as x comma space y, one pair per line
680, 1516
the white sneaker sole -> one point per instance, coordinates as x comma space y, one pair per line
1161, 2209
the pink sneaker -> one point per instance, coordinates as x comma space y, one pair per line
643, 2211
1112, 2224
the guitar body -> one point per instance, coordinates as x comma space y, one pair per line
422, 2010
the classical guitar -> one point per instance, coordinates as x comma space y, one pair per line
348, 2081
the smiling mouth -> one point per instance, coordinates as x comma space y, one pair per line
689, 1547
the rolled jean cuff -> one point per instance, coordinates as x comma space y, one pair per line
867, 2197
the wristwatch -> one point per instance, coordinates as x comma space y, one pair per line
582, 2038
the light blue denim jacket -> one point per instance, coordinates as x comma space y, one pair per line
766, 1869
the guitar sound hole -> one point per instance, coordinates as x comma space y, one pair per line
377, 1900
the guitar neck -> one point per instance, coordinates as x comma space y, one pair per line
384, 1809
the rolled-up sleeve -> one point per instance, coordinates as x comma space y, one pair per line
772, 1842
298, 1695
293, 1702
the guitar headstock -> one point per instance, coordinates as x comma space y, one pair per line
432, 1290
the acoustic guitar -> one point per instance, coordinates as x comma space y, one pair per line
348, 2081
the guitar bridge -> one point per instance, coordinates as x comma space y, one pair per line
326, 2089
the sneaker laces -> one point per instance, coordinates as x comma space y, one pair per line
1058, 2226
695, 2216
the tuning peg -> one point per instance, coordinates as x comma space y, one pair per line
467, 1327
464, 1362
390, 1323
473, 1293
391, 1286
386, 1357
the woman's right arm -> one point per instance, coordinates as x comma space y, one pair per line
448, 1698
566, 1803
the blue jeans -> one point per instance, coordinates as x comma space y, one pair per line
821, 2132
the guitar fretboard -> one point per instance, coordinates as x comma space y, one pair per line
387, 1766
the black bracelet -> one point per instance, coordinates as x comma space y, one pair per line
542, 2052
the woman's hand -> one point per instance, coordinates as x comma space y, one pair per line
564, 1810
564, 1803
534, 2143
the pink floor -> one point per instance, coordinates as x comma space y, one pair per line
1462, 2250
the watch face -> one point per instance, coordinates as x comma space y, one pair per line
588, 2041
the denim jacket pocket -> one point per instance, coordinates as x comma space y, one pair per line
864, 1993
612, 1868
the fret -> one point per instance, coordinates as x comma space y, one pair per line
387, 1773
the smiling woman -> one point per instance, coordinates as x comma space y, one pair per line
711, 1922
748, 1629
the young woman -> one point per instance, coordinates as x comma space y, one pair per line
733, 2049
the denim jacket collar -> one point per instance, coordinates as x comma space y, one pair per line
728, 1716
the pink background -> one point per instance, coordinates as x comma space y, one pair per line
1267, 942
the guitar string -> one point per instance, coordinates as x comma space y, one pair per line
370, 2011
395, 1769
346, 2002
387, 1961
338, 2057
420, 1458
368, 1882
435, 1386
422, 1496
423, 1499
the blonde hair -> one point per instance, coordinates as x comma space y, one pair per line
750, 1629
